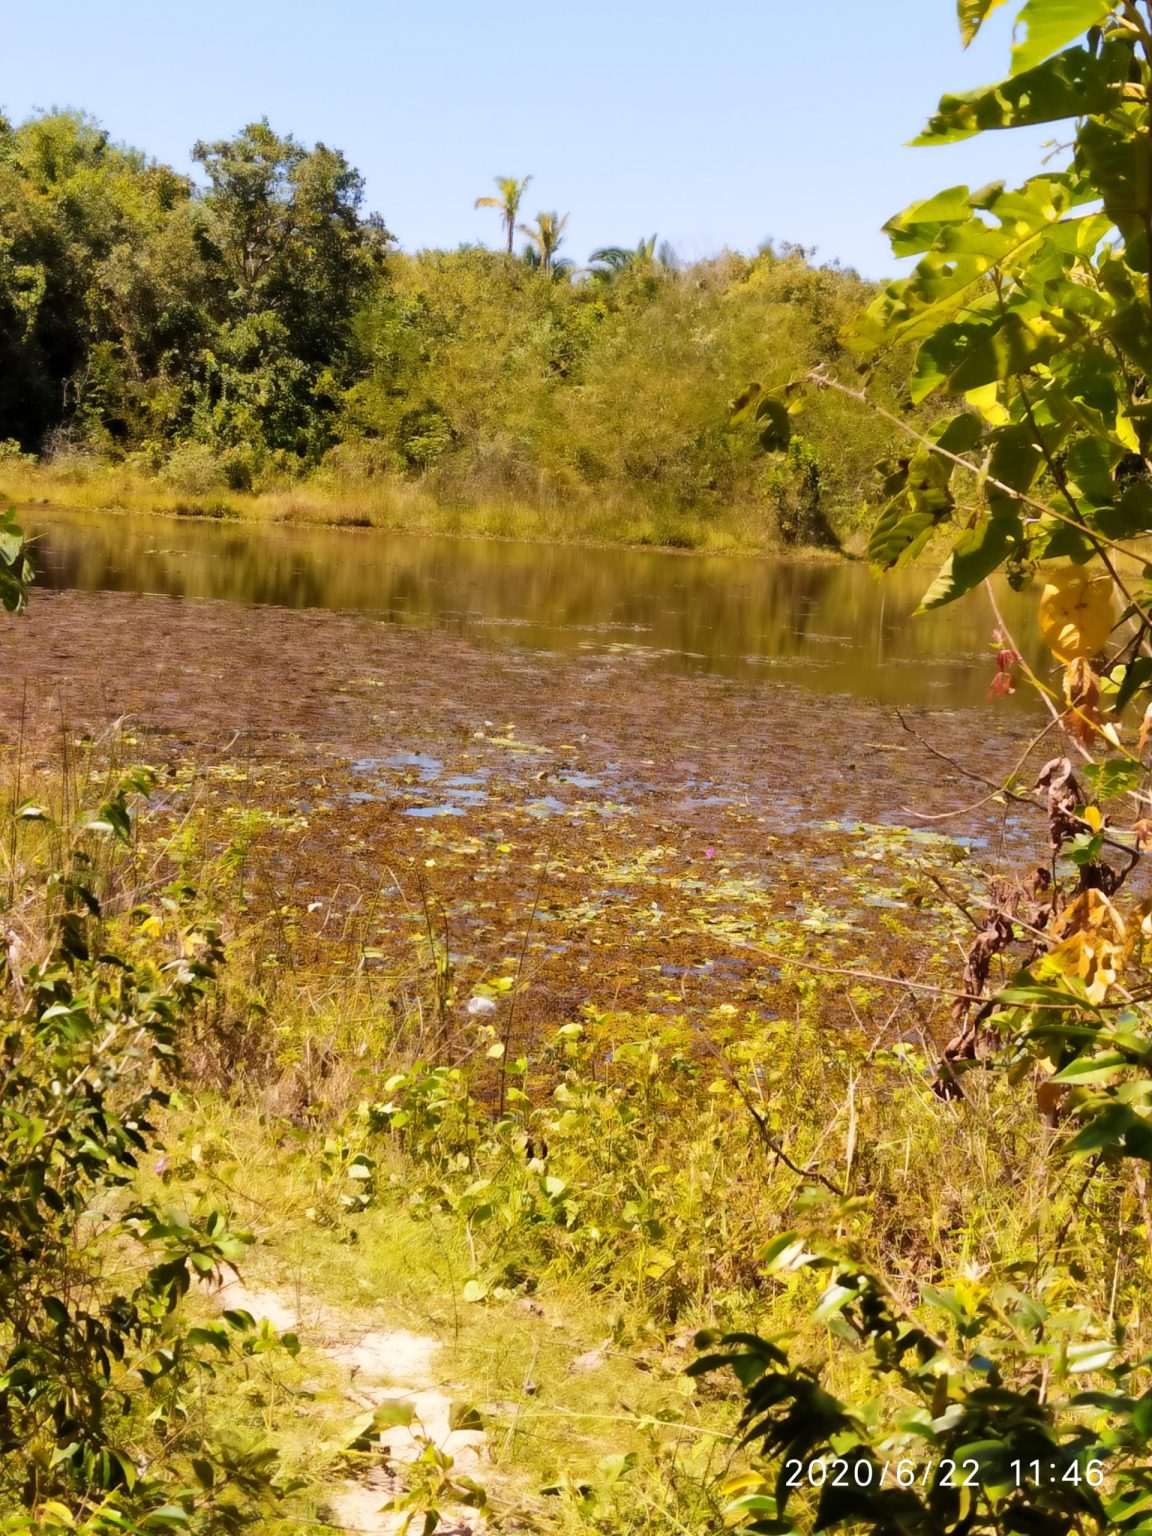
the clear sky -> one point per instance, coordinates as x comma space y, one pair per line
711, 122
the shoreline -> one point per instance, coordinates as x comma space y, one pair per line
111, 493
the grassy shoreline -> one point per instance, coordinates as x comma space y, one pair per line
400, 506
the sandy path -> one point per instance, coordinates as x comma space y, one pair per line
378, 1366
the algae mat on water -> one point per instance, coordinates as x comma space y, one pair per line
636, 839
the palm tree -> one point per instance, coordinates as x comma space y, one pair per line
511, 192
546, 238
616, 257
610, 260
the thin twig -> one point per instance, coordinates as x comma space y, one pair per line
1000, 789
822, 381
968, 773
766, 1136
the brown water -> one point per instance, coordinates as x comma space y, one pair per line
828, 626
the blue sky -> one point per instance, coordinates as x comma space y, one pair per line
714, 124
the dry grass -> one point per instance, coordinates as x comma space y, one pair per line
394, 504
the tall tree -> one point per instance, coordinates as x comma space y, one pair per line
291, 259
508, 203
78, 217
546, 237
286, 227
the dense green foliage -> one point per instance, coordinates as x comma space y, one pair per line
134, 313
262, 328
1006, 1402
103, 1385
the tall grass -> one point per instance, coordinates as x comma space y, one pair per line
396, 504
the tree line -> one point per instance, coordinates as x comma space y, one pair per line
259, 324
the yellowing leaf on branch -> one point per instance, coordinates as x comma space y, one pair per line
972, 13
1076, 613
1095, 945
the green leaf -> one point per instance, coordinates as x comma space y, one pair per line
1116, 776
1004, 350
786, 1251
942, 353
12, 593
167, 1516
1137, 675
1036, 994
1129, 517
1016, 457
1113, 153
745, 402
1072, 84
613, 1468
1090, 1069
975, 555
1104, 1131
775, 424
57, 1311
957, 434
464, 1416
918, 226
907, 522
1093, 1355
1049, 25
393, 1413
972, 14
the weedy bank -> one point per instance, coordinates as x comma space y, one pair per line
560, 1218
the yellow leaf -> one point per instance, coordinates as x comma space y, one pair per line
1091, 814
1076, 614
1094, 949
986, 401
1092, 912
1126, 432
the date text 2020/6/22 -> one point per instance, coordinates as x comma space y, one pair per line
867, 1472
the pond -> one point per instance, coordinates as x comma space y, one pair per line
829, 626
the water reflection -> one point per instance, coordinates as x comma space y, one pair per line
830, 626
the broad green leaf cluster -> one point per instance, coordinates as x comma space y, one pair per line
1028, 310
1003, 1402
102, 1378
15, 567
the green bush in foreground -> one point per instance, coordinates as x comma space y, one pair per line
102, 1382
